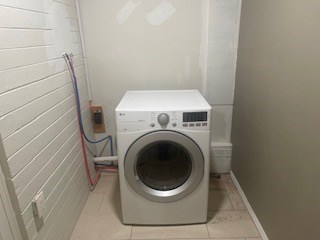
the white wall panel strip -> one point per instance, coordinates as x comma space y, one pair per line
21, 38
17, 162
67, 2
74, 219
32, 5
42, 159
66, 214
18, 18
13, 121
25, 56
15, 78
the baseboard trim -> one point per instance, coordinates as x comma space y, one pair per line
251, 212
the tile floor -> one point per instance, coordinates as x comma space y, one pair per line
228, 218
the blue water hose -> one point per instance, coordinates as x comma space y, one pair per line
76, 90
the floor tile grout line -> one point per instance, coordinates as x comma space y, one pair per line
208, 231
227, 210
234, 208
131, 232
255, 226
192, 238
230, 200
171, 238
100, 205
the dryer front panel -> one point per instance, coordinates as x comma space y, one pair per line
164, 166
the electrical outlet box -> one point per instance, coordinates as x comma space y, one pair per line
97, 119
39, 205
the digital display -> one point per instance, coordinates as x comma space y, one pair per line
195, 116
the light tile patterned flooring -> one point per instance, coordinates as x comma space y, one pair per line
228, 218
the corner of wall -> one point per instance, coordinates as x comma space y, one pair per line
16, 221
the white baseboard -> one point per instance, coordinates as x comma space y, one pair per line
251, 212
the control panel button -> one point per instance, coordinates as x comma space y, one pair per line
152, 125
191, 125
198, 124
174, 124
163, 119
204, 124
184, 125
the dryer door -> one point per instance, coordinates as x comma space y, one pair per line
164, 166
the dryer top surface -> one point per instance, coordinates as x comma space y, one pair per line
167, 100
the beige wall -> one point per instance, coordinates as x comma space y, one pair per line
157, 44
276, 132
142, 45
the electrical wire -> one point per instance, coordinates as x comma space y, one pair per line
89, 150
104, 146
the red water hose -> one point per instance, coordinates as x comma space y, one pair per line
93, 182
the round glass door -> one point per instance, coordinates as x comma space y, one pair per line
164, 166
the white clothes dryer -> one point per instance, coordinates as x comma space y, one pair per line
163, 140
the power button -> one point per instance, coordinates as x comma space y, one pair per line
152, 125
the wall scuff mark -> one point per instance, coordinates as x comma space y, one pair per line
127, 10
187, 66
160, 14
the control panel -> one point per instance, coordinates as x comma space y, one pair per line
137, 121
195, 116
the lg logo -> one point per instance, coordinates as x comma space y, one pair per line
122, 114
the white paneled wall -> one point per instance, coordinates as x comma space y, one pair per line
223, 32
38, 123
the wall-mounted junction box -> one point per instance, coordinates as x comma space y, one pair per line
97, 119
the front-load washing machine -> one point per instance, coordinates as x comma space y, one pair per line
163, 140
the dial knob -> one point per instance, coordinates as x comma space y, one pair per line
163, 119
